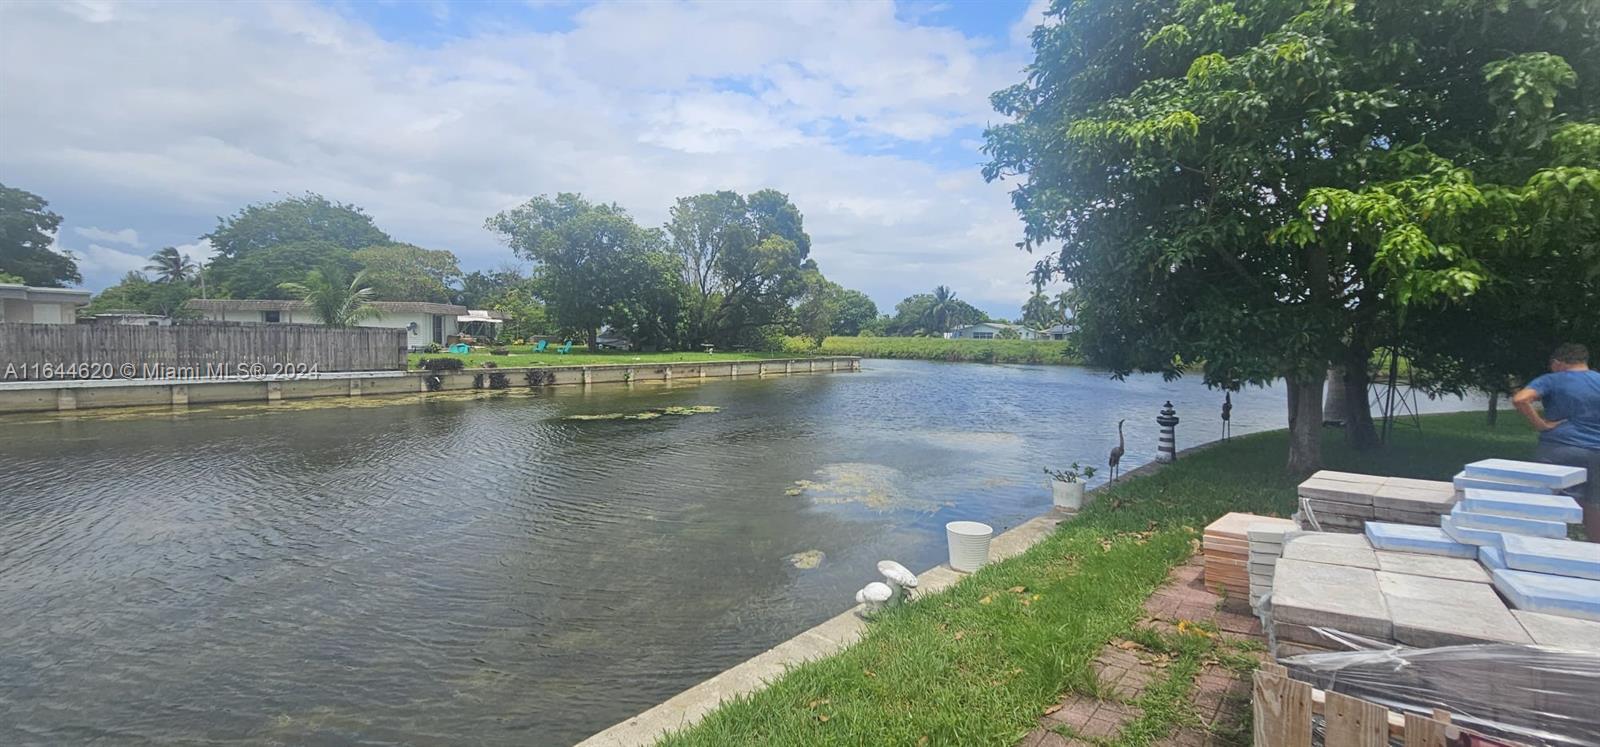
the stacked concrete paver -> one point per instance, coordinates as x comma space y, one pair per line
1226, 547
1430, 586
1344, 501
1266, 546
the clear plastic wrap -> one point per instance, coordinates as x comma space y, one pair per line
1527, 694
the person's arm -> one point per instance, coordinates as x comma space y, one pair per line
1523, 401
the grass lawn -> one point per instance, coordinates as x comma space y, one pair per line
940, 349
978, 664
523, 355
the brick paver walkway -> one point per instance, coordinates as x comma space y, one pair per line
1219, 697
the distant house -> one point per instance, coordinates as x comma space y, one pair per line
30, 304
991, 331
1059, 332
424, 322
129, 318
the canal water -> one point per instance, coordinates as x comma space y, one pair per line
494, 570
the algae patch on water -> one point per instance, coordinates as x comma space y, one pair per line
875, 486
650, 414
807, 560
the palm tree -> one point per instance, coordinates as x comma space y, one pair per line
939, 312
332, 300
171, 267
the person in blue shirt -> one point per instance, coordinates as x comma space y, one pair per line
1569, 428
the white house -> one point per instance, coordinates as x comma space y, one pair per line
424, 322
1059, 332
991, 331
26, 303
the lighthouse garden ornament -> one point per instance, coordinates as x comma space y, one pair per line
1168, 448
1067, 485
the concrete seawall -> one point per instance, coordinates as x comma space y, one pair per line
81, 394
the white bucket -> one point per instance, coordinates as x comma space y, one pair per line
969, 544
1067, 495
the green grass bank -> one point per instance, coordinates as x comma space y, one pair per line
978, 664
940, 349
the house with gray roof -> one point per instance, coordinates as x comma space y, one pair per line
424, 322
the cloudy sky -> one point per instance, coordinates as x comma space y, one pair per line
142, 123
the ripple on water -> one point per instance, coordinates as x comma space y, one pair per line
475, 569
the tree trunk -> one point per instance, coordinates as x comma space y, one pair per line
1305, 424
592, 339
1494, 408
1359, 431
1333, 407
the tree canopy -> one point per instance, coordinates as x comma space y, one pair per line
1270, 187
27, 232
931, 314
587, 256
406, 272
743, 261
255, 245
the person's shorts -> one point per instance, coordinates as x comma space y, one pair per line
1574, 456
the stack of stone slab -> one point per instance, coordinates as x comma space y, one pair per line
1334, 592
1345, 501
1266, 546
1225, 547
1484, 516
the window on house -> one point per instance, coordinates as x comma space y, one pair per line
983, 335
271, 317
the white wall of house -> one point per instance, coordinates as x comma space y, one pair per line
423, 334
38, 312
990, 331
415, 338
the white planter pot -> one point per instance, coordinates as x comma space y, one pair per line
1067, 495
969, 544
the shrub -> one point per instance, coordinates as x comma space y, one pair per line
940, 349
433, 347
799, 345
502, 350
441, 364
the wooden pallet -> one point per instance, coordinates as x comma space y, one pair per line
1283, 709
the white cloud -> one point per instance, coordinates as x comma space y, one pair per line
637, 103
101, 265
1022, 30
125, 237
200, 251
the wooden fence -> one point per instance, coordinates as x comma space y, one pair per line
1283, 709
194, 348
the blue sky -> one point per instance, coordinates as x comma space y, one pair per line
143, 123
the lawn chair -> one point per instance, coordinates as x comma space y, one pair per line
460, 348
564, 349
541, 346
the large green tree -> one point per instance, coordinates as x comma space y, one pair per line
27, 231
261, 273
856, 312
914, 316
305, 222
743, 262
1266, 188
588, 257
404, 272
